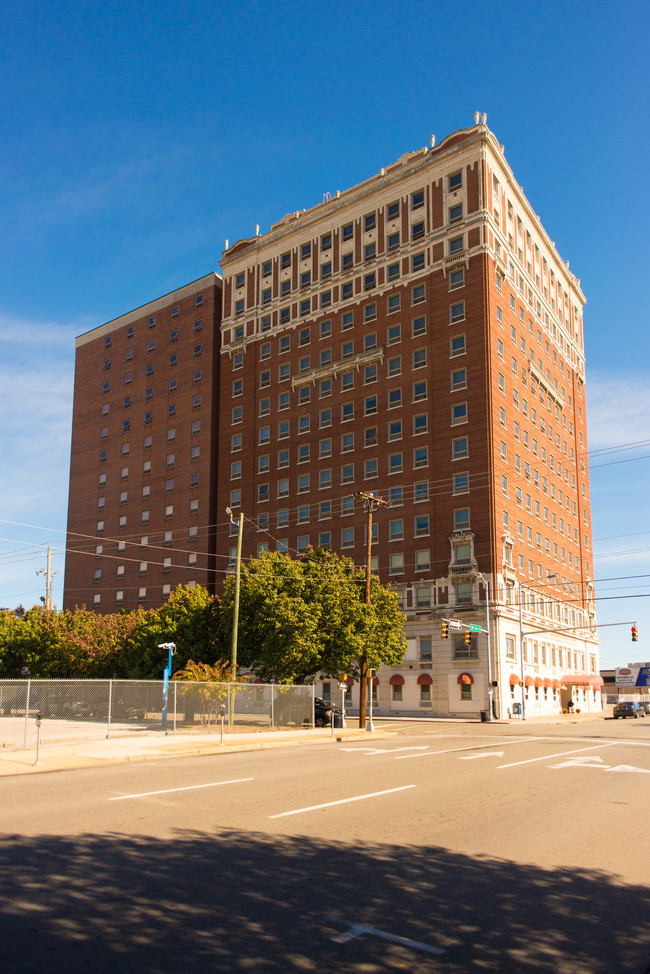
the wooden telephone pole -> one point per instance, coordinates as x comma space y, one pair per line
370, 503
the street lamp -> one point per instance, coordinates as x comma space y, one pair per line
171, 648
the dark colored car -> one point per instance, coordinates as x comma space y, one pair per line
324, 713
628, 709
645, 706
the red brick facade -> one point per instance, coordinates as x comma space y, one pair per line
141, 505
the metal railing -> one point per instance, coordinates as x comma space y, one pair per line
73, 710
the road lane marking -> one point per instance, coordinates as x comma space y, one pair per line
488, 754
551, 757
472, 747
628, 767
384, 750
357, 929
341, 801
169, 791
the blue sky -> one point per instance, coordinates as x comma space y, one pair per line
139, 135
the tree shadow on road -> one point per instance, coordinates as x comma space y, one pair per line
239, 901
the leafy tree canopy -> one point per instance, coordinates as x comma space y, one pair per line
189, 618
299, 617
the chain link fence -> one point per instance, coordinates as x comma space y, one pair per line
73, 710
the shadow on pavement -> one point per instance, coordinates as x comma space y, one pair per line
235, 901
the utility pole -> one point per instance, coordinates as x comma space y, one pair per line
239, 523
48, 579
370, 503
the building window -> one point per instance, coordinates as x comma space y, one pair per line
457, 278
420, 457
457, 312
419, 391
459, 414
419, 356
458, 379
418, 294
423, 561
460, 448
396, 564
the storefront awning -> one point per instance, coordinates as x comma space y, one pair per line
548, 683
514, 680
396, 680
528, 680
424, 679
465, 678
582, 680
539, 682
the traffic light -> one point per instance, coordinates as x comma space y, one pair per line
635, 634
468, 637
444, 629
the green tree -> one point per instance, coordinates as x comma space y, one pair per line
299, 617
189, 618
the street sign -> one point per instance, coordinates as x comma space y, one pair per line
455, 624
473, 628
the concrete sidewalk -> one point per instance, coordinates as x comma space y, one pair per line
150, 746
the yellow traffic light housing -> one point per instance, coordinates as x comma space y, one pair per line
444, 629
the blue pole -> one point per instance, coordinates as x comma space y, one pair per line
166, 674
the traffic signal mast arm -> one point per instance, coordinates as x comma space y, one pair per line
601, 625
447, 624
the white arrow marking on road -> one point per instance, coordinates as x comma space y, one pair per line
356, 929
629, 767
549, 757
593, 761
488, 754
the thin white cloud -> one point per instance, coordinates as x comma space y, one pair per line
618, 406
36, 388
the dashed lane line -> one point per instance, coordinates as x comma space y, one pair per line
341, 801
169, 791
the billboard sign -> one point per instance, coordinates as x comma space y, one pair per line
633, 676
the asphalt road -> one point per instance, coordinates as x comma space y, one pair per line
451, 848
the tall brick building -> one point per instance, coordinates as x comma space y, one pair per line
142, 504
417, 336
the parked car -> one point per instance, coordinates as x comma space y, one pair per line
628, 709
645, 705
324, 713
